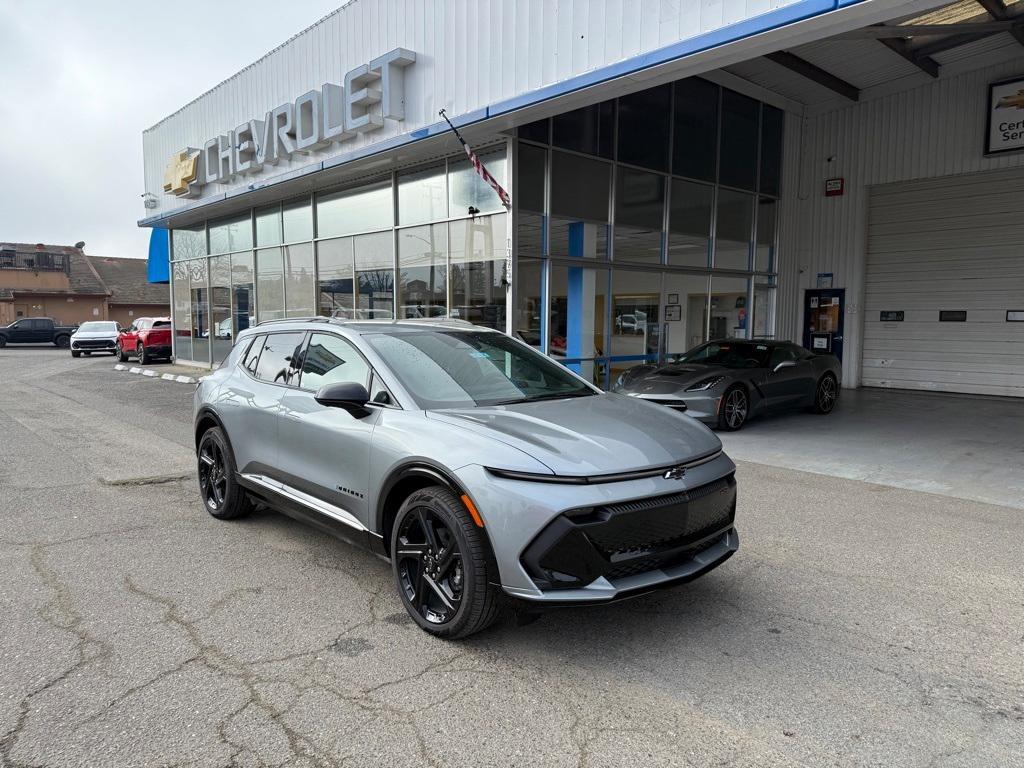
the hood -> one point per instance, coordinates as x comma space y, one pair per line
95, 334
590, 435
672, 379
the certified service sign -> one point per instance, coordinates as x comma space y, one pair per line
1005, 116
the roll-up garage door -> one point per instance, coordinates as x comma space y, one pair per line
944, 294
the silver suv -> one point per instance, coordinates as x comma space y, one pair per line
487, 473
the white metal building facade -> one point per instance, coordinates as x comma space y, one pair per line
651, 264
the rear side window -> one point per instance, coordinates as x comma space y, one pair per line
329, 360
252, 356
282, 353
162, 324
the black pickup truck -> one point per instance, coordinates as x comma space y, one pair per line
36, 330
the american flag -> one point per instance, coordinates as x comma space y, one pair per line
478, 166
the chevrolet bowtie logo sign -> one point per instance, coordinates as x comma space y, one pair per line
182, 173
1015, 101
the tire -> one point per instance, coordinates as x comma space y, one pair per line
62, 341
734, 409
3, 342
826, 395
222, 496
87, 353
75, 353
119, 353
433, 521
144, 359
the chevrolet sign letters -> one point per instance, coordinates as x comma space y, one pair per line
312, 122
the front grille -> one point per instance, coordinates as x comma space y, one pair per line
631, 537
94, 344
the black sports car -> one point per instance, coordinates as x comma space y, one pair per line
725, 382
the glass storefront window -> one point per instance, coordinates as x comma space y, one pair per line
733, 229
639, 211
728, 310
297, 220
529, 301
375, 276
767, 214
221, 332
243, 294
334, 269
181, 303
738, 154
635, 319
772, 121
690, 294
268, 225
589, 130
350, 211
478, 270
423, 271
764, 311
189, 242
231, 234
467, 189
530, 200
689, 236
199, 310
423, 196
644, 128
270, 284
579, 301
579, 206
538, 131
695, 129
299, 281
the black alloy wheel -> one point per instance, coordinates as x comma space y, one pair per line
63, 342
826, 395
119, 353
143, 357
733, 411
222, 496
442, 564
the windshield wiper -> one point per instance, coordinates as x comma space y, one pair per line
545, 396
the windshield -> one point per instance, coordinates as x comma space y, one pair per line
738, 354
98, 327
451, 369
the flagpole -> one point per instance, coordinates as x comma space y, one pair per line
480, 168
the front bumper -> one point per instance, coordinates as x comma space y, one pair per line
93, 345
702, 406
572, 544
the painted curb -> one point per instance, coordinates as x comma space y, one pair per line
152, 374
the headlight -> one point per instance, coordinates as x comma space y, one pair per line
706, 384
620, 381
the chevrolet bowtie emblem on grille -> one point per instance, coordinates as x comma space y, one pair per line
676, 473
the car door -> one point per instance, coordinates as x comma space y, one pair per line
42, 331
20, 332
789, 376
325, 451
250, 402
130, 337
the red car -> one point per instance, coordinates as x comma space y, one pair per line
148, 337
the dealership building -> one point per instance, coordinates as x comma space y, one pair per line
848, 175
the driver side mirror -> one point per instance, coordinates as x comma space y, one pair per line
784, 364
347, 395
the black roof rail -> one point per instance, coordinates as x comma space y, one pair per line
311, 319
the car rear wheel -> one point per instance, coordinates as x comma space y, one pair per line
826, 395
443, 566
143, 357
733, 410
222, 496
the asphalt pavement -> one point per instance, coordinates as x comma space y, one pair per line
858, 625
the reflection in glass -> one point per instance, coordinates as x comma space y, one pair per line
729, 311
639, 210
530, 198
538, 131
349, 211
334, 268
199, 310
644, 127
220, 307
478, 275
375, 276
268, 225
299, 280
695, 140
580, 190
738, 156
189, 242
422, 271
588, 129
330, 359
733, 229
689, 237
529, 306
181, 303
242, 293
766, 222
270, 284
422, 196
231, 234
297, 220
467, 189
579, 300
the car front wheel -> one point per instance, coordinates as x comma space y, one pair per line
75, 353
733, 410
222, 496
443, 566
120, 353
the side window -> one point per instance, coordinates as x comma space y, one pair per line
780, 355
330, 359
252, 356
281, 352
37, 325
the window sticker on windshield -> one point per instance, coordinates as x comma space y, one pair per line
482, 355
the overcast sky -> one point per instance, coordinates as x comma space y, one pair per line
81, 79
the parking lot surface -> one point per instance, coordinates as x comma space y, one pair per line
859, 624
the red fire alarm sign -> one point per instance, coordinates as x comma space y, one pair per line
833, 187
